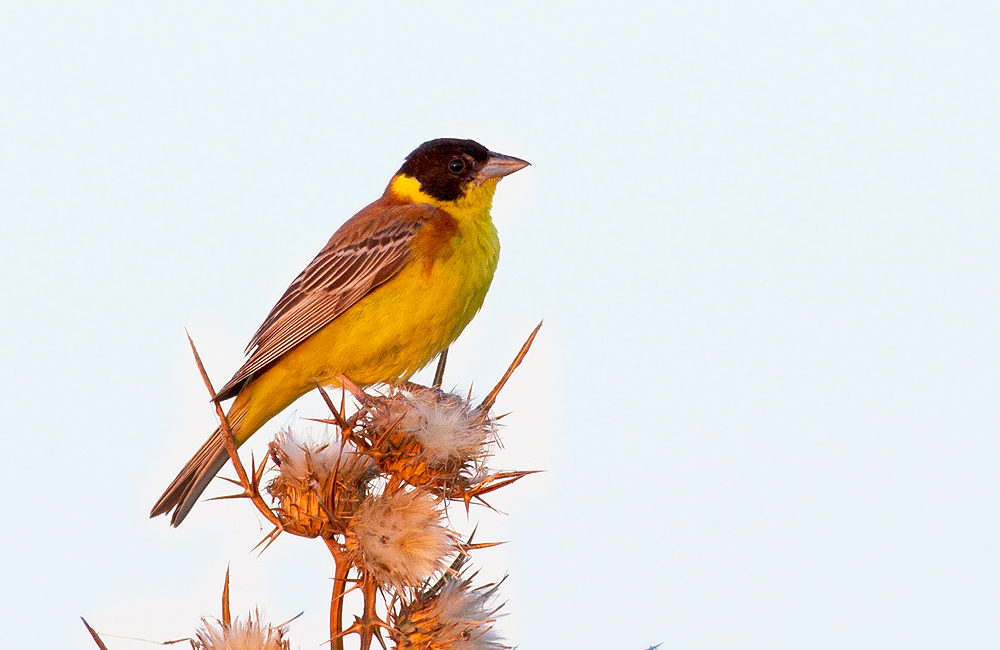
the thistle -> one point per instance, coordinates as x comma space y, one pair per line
377, 494
319, 485
398, 538
251, 634
450, 616
425, 437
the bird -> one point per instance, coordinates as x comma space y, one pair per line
394, 287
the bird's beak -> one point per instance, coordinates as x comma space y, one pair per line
499, 165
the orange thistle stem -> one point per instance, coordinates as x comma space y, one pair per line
250, 490
369, 619
94, 635
487, 404
343, 567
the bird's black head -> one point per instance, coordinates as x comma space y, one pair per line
444, 167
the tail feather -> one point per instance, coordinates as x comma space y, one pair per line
184, 491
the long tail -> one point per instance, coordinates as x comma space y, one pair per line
193, 479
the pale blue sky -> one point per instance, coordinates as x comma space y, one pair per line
763, 236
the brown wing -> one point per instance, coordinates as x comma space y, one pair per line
367, 250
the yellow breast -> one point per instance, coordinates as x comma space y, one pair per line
400, 326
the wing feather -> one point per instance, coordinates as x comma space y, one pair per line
348, 268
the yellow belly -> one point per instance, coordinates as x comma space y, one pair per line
386, 336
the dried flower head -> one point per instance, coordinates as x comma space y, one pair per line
450, 616
398, 538
309, 471
425, 436
251, 634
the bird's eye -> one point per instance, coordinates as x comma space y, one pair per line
456, 166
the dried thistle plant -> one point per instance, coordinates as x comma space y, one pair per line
452, 615
378, 495
424, 436
318, 485
399, 539
249, 634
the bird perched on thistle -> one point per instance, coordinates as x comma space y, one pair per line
394, 287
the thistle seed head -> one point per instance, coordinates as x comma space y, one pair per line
399, 539
425, 436
454, 617
316, 479
251, 634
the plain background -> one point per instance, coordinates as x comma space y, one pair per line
763, 237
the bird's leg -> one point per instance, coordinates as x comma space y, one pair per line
439, 373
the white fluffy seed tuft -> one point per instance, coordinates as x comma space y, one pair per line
302, 460
449, 428
453, 616
467, 617
398, 538
318, 484
251, 634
